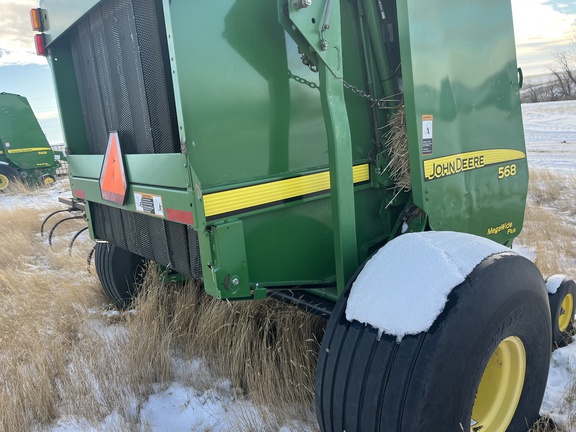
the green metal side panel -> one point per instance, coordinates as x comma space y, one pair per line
3, 154
23, 141
251, 112
243, 117
465, 130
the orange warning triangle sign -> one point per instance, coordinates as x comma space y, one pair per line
113, 184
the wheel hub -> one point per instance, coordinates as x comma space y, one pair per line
566, 312
500, 387
4, 182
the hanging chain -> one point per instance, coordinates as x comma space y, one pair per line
382, 103
302, 81
361, 93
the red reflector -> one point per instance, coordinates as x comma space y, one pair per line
40, 41
79, 193
36, 20
113, 184
180, 216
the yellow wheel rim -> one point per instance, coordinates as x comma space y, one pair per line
500, 387
4, 182
47, 181
566, 312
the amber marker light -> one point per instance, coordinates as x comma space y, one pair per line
36, 20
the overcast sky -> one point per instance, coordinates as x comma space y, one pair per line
542, 27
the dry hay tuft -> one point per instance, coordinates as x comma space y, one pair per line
544, 424
397, 147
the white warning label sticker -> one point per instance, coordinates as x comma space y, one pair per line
427, 134
150, 204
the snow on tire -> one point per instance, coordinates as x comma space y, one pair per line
494, 327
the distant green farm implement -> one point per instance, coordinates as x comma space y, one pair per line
362, 159
25, 154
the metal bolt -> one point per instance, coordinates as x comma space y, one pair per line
323, 44
235, 281
301, 4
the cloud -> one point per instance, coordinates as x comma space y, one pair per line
47, 115
16, 35
542, 28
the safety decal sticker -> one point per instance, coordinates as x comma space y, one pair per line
149, 204
427, 134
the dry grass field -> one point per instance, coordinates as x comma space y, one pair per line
65, 353
550, 231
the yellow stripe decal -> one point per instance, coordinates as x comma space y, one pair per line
462, 162
253, 196
29, 150
1, 151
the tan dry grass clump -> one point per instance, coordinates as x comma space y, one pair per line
20, 187
16, 226
545, 424
553, 189
397, 147
267, 349
41, 312
61, 356
549, 229
549, 222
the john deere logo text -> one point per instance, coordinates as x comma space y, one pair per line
455, 164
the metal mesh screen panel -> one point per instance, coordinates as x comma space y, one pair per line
168, 243
119, 52
122, 77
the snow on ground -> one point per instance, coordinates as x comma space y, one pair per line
551, 142
48, 198
550, 130
560, 380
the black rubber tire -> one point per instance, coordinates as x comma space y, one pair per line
120, 272
567, 287
9, 174
428, 382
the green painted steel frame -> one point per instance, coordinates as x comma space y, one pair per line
269, 149
320, 25
172, 182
